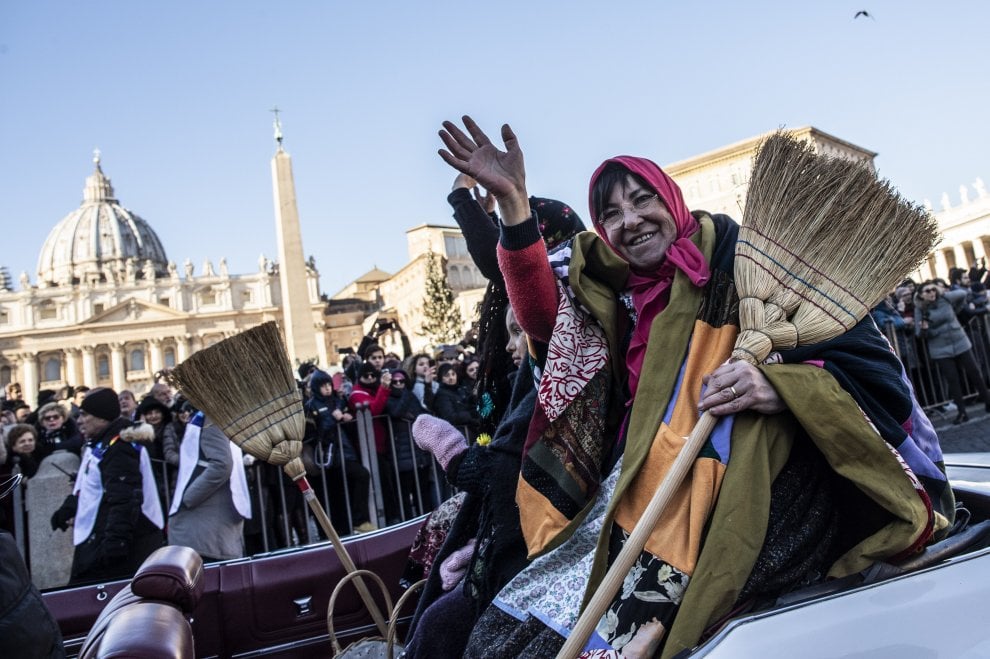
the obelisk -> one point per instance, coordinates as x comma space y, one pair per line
297, 312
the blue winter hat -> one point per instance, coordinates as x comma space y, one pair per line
318, 379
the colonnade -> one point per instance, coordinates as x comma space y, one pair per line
80, 365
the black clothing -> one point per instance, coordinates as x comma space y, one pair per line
403, 407
66, 438
122, 537
452, 404
27, 628
480, 232
321, 410
489, 475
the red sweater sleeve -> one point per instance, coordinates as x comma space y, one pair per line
377, 405
529, 280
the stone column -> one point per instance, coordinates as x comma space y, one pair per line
117, 373
182, 348
89, 366
157, 358
72, 366
962, 261
941, 264
321, 344
29, 377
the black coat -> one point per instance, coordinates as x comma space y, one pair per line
402, 408
66, 438
320, 411
488, 474
122, 537
27, 627
453, 404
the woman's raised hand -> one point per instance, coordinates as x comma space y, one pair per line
502, 173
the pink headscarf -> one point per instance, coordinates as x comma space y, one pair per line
651, 290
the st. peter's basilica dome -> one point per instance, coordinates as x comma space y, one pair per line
100, 241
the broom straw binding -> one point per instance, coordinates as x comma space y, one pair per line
245, 385
822, 241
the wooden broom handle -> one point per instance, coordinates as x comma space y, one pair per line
298, 474
634, 545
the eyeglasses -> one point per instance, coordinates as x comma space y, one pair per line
399, 381
51, 417
929, 290
612, 217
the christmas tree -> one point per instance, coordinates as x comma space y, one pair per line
441, 317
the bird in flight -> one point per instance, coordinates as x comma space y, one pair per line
865, 14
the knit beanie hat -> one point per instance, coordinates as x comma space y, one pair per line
101, 402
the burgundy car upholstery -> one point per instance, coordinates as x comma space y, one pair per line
148, 617
147, 629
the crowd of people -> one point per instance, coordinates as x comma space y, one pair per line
190, 479
140, 464
939, 330
537, 448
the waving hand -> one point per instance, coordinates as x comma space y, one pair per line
502, 173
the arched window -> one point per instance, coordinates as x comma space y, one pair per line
103, 366
53, 369
169, 357
136, 360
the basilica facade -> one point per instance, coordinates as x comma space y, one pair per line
109, 308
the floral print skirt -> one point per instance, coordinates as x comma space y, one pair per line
551, 589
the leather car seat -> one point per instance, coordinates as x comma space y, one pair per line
149, 617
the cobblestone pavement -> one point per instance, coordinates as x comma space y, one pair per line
973, 435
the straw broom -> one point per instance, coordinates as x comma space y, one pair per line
245, 385
822, 241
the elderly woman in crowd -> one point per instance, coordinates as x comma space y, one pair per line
57, 431
640, 318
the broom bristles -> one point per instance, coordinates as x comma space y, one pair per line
822, 241
245, 384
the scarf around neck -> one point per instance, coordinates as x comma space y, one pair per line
650, 291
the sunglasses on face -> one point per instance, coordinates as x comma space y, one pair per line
930, 290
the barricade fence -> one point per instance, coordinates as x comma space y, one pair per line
923, 371
399, 483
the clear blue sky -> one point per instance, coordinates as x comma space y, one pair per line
176, 96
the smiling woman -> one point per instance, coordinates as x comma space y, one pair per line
654, 293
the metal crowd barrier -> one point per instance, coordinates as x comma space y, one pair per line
276, 502
924, 372
280, 517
